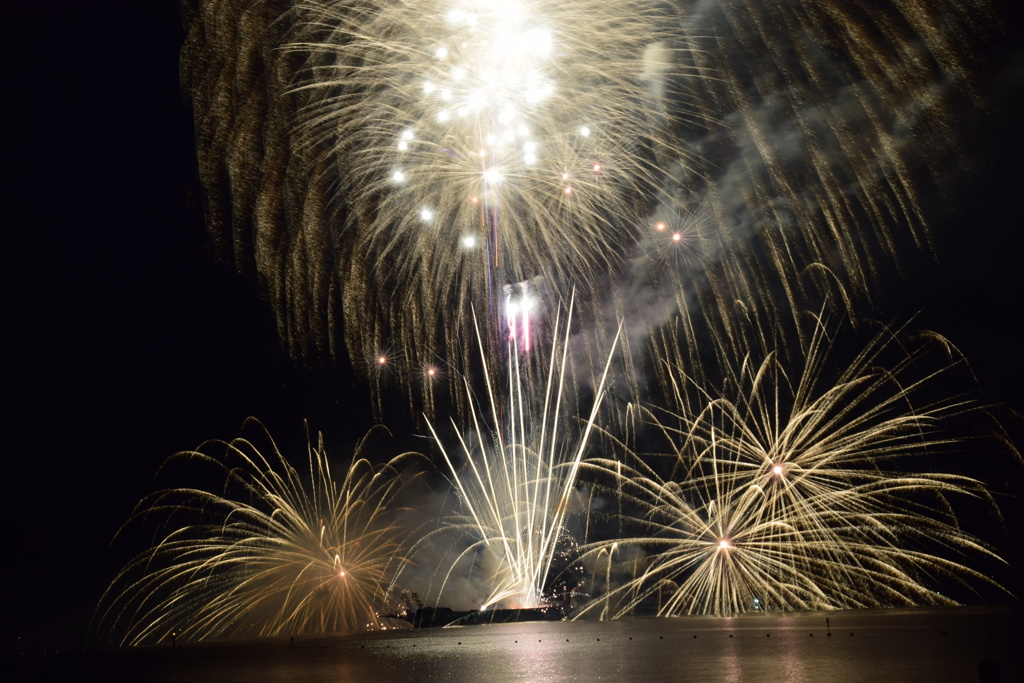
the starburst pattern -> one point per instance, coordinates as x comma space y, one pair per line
788, 491
269, 554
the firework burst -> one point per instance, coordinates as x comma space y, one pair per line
269, 554
518, 482
363, 156
785, 492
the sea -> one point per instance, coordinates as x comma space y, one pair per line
930, 645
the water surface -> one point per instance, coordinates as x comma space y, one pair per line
906, 645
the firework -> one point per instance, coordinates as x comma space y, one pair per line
791, 491
441, 151
376, 162
268, 554
517, 484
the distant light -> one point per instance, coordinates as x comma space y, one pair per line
382, 360
724, 544
565, 176
403, 145
676, 237
342, 573
659, 226
469, 241
597, 168
585, 131
568, 190
398, 177
442, 52
426, 213
474, 199
492, 176
777, 469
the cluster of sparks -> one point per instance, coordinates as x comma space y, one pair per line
785, 492
451, 155
272, 553
516, 490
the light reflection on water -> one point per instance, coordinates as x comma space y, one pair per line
933, 645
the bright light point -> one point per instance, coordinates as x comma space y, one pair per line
482, 152
724, 544
659, 226
458, 73
443, 115
530, 158
442, 52
426, 214
428, 87
529, 146
585, 131
398, 176
492, 176
469, 241
676, 237
540, 41
342, 573
777, 469
597, 168
474, 199
568, 190
403, 145
565, 176
407, 134
382, 360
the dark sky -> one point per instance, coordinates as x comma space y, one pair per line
126, 342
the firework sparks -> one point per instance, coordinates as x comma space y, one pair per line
387, 152
268, 555
787, 493
517, 487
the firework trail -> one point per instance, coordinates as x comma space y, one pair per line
518, 481
268, 554
341, 146
791, 491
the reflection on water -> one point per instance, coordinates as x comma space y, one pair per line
927, 645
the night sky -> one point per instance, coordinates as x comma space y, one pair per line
126, 341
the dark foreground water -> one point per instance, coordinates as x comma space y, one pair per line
927, 645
